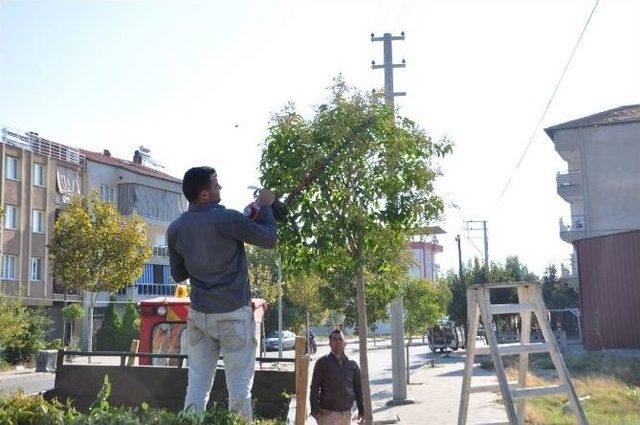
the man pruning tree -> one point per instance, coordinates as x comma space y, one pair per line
206, 245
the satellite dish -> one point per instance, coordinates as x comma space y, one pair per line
145, 154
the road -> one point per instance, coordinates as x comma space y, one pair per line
379, 370
29, 382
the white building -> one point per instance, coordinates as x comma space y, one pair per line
602, 179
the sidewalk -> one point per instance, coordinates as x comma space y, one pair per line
437, 395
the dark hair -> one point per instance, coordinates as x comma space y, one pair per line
335, 331
196, 180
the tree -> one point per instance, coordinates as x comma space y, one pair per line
71, 313
130, 326
263, 273
557, 294
425, 303
304, 293
108, 336
93, 248
349, 225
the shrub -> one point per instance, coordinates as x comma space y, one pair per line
22, 329
107, 335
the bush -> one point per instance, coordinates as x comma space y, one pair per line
35, 410
117, 330
22, 329
108, 334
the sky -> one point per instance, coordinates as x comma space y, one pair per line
196, 82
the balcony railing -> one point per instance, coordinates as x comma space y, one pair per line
160, 251
145, 290
570, 185
569, 178
573, 228
32, 142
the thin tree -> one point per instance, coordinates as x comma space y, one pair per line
351, 222
95, 249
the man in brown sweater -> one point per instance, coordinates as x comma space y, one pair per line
336, 385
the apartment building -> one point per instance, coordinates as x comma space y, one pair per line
139, 189
602, 179
39, 177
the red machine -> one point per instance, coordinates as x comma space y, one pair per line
163, 324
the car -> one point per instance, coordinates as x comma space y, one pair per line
271, 342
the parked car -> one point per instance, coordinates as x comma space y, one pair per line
288, 341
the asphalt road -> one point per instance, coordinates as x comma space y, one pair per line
29, 382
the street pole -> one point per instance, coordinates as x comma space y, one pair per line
279, 266
486, 244
398, 363
460, 278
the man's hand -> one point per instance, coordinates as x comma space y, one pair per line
265, 197
360, 419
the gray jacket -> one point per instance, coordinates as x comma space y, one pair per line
206, 245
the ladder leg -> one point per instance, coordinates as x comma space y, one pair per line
556, 356
525, 338
487, 320
472, 332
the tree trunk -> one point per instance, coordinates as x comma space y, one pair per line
362, 339
92, 297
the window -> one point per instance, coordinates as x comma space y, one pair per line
36, 269
158, 273
10, 217
9, 267
38, 175
108, 193
11, 167
38, 221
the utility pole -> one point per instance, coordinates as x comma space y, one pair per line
470, 228
398, 364
279, 267
460, 276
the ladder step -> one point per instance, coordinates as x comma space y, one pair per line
515, 348
520, 393
492, 387
510, 308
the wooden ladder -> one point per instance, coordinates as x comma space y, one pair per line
514, 394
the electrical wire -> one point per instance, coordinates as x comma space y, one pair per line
535, 130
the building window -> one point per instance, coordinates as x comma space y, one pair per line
158, 273
108, 193
38, 221
9, 267
38, 175
10, 217
36, 269
11, 167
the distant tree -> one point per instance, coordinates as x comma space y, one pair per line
23, 329
556, 293
130, 326
304, 291
108, 336
93, 248
71, 313
425, 303
263, 274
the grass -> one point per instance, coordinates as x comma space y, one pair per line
610, 384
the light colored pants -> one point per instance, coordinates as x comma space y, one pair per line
232, 334
329, 417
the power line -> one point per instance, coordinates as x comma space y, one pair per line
535, 130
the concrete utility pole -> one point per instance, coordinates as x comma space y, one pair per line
398, 364
469, 228
279, 267
460, 277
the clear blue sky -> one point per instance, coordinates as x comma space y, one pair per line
178, 76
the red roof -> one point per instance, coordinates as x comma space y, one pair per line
127, 165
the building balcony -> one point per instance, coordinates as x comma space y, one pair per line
144, 291
160, 251
573, 228
62, 294
570, 185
